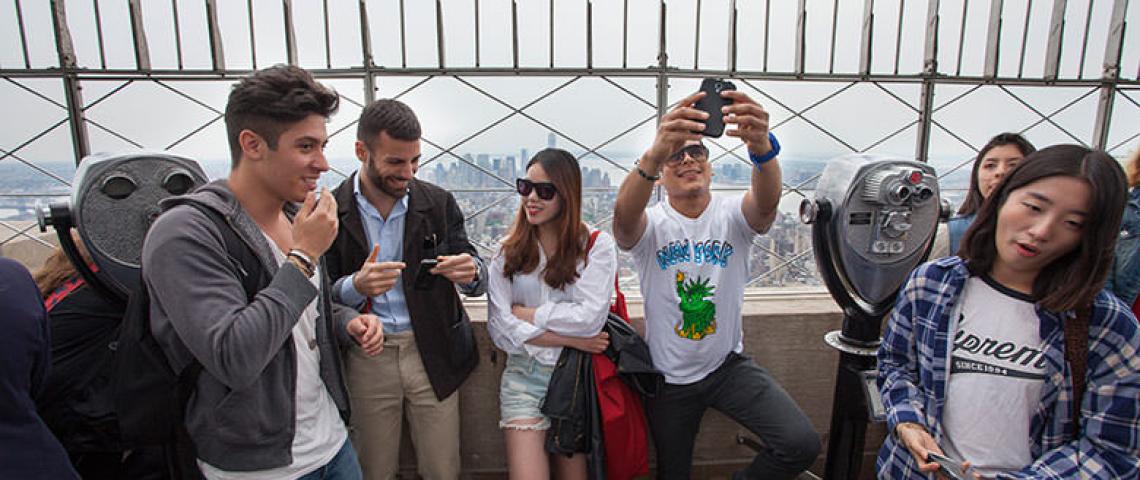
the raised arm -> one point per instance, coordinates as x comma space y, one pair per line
678, 126
751, 121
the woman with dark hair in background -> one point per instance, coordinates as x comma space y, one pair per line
985, 352
28, 450
994, 162
549, 288
1124, 280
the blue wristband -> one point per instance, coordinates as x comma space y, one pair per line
759, 160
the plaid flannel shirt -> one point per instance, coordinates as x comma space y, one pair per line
913, 366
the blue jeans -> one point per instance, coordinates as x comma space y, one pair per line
342, 467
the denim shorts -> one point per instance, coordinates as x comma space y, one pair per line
522, 390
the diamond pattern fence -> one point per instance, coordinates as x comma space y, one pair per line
913, 81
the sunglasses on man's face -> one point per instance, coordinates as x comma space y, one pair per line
697, 152
545, 190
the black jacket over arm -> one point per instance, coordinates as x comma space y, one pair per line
442, 329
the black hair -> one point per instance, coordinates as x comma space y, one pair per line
387, 115
974, 197
1073, 279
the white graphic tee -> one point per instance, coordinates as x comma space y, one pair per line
693, 272
997, 369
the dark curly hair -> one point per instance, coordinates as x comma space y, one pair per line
272, 99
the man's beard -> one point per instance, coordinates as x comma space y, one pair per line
381, 182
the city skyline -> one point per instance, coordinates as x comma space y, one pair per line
779, 258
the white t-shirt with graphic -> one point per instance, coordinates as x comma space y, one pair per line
693, 272
997, 370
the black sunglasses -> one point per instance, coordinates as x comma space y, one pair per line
545, 190
697, 151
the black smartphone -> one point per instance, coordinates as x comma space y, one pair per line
711, 104
949, 467
424, 278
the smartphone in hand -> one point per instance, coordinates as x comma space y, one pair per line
949, 467
712, 102
424, 277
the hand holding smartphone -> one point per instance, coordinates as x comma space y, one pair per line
948, 466
424, 277
711, 104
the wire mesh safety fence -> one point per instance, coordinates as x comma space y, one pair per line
494, 81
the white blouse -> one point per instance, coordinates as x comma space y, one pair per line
578, 309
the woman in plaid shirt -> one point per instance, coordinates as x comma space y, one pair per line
972, 363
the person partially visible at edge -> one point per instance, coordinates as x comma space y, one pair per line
76, 402
270, 401
994, 162
972, 363
390, 221
691, 253
27, 448
1124, 279
549, 289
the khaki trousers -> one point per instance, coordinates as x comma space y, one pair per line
379, 389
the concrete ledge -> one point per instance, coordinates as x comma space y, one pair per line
23, 249
783, 332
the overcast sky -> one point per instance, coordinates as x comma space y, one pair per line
589, 110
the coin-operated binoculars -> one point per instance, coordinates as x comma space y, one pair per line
114, 199
873, 220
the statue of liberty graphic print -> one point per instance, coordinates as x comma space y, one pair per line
698, 312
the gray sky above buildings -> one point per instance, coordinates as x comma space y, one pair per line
589, 110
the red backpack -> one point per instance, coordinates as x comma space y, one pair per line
622, 418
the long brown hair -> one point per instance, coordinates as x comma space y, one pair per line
58, 269
974, 197
520, 248
1074, 279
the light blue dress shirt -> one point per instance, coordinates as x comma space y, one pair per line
390, 306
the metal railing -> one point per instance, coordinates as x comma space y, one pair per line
917, 64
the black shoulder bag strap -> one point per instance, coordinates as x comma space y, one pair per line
249, 268
249, 265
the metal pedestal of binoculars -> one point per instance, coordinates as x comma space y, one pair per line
855, 401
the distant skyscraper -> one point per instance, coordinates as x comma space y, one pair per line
479, 179
509, 168
440, 173
551, 140
523, 158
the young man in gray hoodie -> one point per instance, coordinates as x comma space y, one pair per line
270, 401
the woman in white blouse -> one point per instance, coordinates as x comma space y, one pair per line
549, 289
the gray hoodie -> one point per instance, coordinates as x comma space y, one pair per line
242, 413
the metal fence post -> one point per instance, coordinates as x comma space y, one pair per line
77, 123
